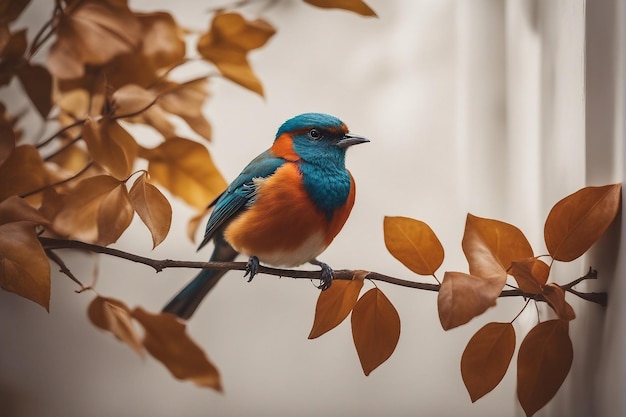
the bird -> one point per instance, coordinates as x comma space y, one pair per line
285, 207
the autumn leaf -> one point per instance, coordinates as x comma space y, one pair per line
486, 358
92, 32
131, 99
7, 135
356, 6
530, 274
24, 267
463, 297
152, 207
375, 329
167, 341
15, 209
543, 362
37, 83
114, 215
12, 55
490, 247
79, 217
186, 101
555, 296
114, 316
23, 171
578, 220
163, 44
228, 42
185, 168
413, 243
110, 146
335, 303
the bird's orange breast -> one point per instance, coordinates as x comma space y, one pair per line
283, 227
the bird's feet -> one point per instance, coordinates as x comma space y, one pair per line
327, 274
252, 267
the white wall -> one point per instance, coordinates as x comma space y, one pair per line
478, 107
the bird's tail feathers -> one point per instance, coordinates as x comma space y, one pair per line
185, 303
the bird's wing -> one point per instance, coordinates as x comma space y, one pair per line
240, 193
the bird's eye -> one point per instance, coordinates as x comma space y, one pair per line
315, 134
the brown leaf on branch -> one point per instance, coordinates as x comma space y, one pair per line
94, 203
23, 171
490, 247
152, 207
543, 362
486, 358
12, 55
335, 303
530, 274
131, 99
375, 329
413, 243
555, 296
114, 316
114, 215
167, 341
186, 101
37, 82
24, 267
92, 32
7, 135
463, 297
163, 43
578, 220
110, 146
356, 6
185, 168
228, 42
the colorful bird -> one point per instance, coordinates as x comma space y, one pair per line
285, 207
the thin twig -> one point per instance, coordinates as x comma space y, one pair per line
56, 184
64, 269
347, 274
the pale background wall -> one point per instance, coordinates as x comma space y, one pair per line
486, 106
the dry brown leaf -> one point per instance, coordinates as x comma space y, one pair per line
92, 32
131, 99
228, 42
163, 42
15, 209
152, 207
463, 297
78, 218
185, 168
37, 82
335, 303
413, 243
486, 358
530, 274
577, 221
11, 10
114, 215
543, 362
167, 341
356, 6
12, 56
186, 101
375, 329
490, 247
114, 316
110, 146
7, 135
555, 296
23, 171
24, 267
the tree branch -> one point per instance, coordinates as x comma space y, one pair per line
347, 274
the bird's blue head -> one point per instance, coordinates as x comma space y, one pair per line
319, 137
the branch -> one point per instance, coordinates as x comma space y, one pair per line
160, 264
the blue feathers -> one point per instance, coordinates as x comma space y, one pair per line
309, 120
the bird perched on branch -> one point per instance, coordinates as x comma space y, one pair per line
285, 207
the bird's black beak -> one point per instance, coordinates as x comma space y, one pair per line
348, 140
